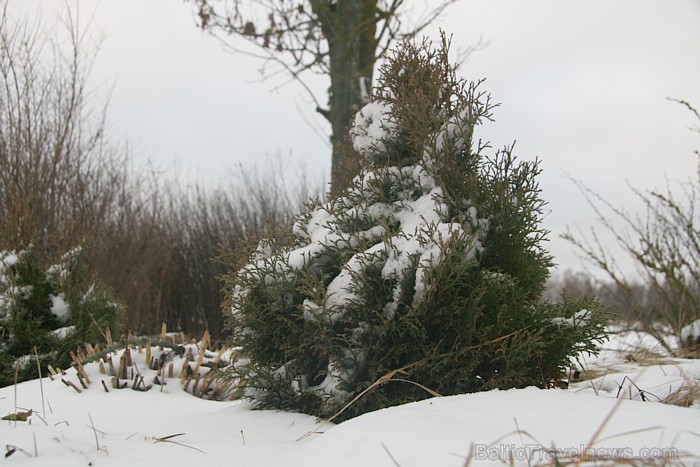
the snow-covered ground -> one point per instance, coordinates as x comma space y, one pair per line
616, 415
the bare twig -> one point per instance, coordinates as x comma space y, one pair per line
94, 430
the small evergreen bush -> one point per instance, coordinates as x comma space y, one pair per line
430, 262
49, 311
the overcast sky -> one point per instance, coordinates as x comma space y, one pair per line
582, 86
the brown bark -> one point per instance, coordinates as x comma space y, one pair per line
349, 27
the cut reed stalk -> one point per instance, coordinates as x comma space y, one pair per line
41, 382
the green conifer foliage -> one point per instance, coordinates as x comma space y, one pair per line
49, 312
431, 262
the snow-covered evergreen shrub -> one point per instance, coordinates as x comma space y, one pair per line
430, 262
51, 310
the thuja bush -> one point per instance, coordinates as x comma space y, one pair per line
425, 273
47, 312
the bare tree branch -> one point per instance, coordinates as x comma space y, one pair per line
341, 39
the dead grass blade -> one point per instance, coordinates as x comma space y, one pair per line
18, 416
11, 449
384, 379
686, 395
396, 463
403, 371
425, 388
41, 383
16, 377
107, 339
602, 426
168, 439
94, 430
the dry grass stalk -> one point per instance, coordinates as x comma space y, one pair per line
19, 416
74, 357
204, 344
196, 383
94, 430
70, 384
208, 379
94, 321
223, 390
607, 418
122, 367
41, 383
16, 378
80, 369
127, 355
117, 383
687, 395
184, 371
111, 366
81, 380
384, 379
139, 381
200, 358
54, 373
220, 354
167, 439
391, 456
140, 384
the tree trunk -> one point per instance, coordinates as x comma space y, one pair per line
350, 28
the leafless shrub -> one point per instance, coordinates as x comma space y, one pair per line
579, 284
665, 247
202, 223
60, 177
64, 183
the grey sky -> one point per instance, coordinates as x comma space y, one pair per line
583, 87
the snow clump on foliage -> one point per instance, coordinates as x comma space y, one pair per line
371, 126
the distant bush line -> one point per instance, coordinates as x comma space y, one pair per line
64, 184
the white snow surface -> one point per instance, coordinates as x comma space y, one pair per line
138, 428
